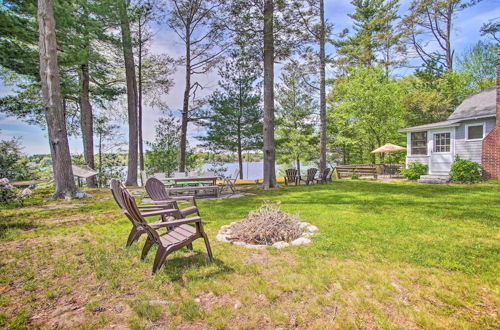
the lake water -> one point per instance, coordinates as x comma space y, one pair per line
251, 170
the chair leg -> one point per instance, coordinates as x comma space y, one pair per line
147, 246
207, 245
161, 255
133, 236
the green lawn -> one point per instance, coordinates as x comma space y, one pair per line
389, 255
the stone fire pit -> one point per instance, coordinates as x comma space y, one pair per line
267, 226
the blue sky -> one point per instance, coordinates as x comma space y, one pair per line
466, 33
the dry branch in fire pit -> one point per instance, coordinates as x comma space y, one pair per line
266, 226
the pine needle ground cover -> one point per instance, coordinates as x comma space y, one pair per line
388, 255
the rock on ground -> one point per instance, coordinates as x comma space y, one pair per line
280, 244
301, 241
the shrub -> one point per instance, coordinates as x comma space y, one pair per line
465, 171
9, 194
414, 170
355, 176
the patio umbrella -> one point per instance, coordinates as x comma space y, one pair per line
388, 147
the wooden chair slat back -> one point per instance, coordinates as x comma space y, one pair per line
156, 190
325, 174
116, 190
134, 214
311, 173
291, 172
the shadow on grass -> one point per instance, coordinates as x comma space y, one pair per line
194, 267
11, 223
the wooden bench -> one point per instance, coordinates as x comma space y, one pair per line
194, 189
349, 170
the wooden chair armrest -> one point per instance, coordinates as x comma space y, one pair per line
160, 212
183, 221
147, 207
181, 198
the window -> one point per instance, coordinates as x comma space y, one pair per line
442, 142
419, 143
474, 132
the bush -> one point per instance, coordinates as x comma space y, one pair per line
465, 171
9, 194
414, 170
355, 176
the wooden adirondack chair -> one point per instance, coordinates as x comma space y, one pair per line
117, 189
324, 176
156, 191
292, 175
180, 234
311, 174
230, 182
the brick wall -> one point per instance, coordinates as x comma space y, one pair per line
491, 143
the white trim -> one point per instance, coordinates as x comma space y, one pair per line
493, 115
474, 124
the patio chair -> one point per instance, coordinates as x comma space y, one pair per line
181, 234
311, 174
117, 189
329, 176
230, 182
156, 191
324, 176
292, 175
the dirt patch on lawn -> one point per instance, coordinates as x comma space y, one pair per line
56, 206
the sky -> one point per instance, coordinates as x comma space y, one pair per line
34, 139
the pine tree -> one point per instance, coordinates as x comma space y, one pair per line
296, 138
375, 39
192, 21
54, 114
235, 117
272, 29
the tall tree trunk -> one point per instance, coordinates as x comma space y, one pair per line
298, 165
131, 94
185, 105
87, 122
100, 159
139, 69
240, 157
269, 146
322, 89
54, 112
449, 52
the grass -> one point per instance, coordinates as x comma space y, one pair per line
388, 255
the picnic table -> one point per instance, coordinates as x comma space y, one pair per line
193, 184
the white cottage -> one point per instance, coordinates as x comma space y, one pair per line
438, 144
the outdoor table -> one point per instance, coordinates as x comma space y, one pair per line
203, 180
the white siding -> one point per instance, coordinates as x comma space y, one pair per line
471, 150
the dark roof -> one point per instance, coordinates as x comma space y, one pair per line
482, 103
447, 123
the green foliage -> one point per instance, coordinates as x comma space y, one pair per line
366, 112
432, 95
162, 156
465, 171
296, 139
355, 176
13, 165
414, 170
375, 39
234, 121
478, 62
